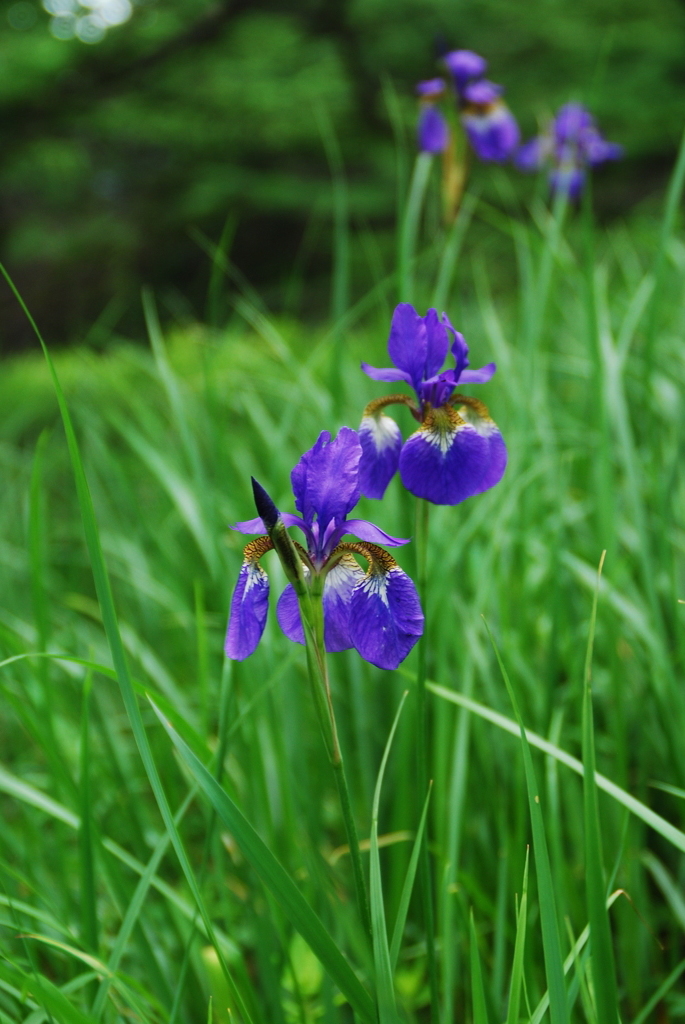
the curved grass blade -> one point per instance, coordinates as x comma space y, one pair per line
385, 989
602, 960
669, 832
548, 908
408, 886
112, 632
480, 1011
277, 880
519, 950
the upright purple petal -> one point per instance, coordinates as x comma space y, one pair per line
432, 132
570, 121
326, 479
385, 613
407, 342
249, 604
483, 93
437, 342
463, 65
430, 88
460, 351
381, 441
453, 456
369, 531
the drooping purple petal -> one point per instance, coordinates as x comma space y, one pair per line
481, 376
532, 155
381, 441
432, 132
288, 615
389, 375
326, 479
337, 593
364, 530
257, 525
453, 456
493, 133
597, 150
464, 64
568, 180
385, 614
430, 87
407, 342
249, 604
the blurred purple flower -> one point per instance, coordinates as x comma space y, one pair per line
432, 131
458, 450
376, 611
490, 126
571, 143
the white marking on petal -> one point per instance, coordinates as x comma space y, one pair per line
256, 576
481, 424
383, 431
442, 437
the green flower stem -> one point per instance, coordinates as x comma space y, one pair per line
425, 871
410, 226
311, 610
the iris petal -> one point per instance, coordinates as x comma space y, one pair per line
249, 603
437, 343
385, 613
388, 375
454, 455
407, 342
326, 479
288, 615
493, 133
381, 441
337, 591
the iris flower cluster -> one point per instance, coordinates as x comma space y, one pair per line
458, 450
569, 145
489, 124
376, 611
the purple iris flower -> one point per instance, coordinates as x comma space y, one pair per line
433, 132
376, 611
458, 450
490, 125
571, 144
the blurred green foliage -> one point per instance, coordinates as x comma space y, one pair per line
196, 115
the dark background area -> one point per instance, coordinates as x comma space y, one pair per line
124, 161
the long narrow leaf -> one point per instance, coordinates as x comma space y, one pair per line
602, 961
548, 907
519, 950
277, 880
480, 1011
408, 886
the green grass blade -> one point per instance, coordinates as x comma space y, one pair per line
548, 908
602, 960
109, 620
385, 990
408, 886
274, 876
480, 1010
89, 917
410, 225
662, 990
519, 950
655, 821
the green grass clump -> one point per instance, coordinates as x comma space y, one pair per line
172, 845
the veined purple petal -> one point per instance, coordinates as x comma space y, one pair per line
326, 479
460, 351
494, 134
385, 614
432, 131
368, 531
381, 441
389, 375
337, 593
249, 604
407, 342
453, 456
288, 615
481, 376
